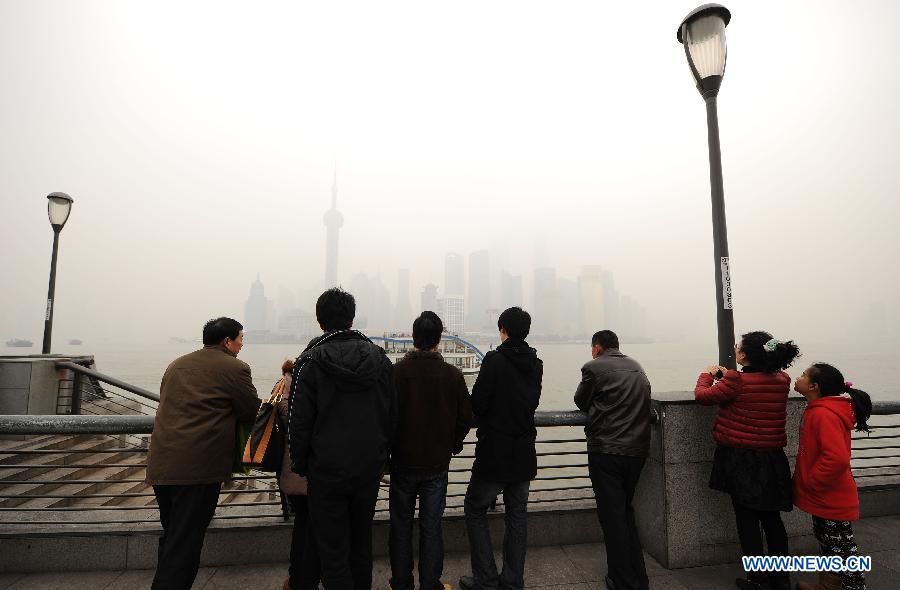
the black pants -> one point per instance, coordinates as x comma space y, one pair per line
304, 569
479, 496
748, 527
185, 512
614, 478
341, 514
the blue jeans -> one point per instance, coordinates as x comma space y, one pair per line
431, 489
515, 505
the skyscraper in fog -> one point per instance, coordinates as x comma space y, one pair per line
256, 308
546, 307
452, 312
454, 275
479, 300
510, 290
591, 304
333, 223
430, 299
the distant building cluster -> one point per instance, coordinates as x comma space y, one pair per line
467, 303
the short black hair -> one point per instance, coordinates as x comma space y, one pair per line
217, 330
335, 310
516, 321
427, 330
605, 338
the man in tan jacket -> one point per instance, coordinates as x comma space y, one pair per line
203, 395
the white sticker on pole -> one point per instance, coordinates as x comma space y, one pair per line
49, 309
726, 283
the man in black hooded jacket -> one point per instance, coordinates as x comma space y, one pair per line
504, 399
343, 415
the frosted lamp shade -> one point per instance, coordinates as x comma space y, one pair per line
705, 41
59, 205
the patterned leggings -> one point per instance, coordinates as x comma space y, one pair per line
836, 538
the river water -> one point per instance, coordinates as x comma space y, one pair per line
671, 366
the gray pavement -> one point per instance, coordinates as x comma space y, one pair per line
577, 567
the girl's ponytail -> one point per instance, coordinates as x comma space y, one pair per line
768, 354
831, 382
862, 406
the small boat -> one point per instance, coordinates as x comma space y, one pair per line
463, 355
20, 343
75, 342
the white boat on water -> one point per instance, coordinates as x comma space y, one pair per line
461, 354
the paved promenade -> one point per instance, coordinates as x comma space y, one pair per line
576, 567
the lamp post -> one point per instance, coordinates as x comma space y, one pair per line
702, 32
59, 205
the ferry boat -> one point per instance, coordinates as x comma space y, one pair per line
20, 343
463, 355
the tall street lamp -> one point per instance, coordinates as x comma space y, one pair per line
59, 205
702, 33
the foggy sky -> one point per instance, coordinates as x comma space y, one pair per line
198, 141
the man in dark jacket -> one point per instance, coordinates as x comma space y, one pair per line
615, 393
343, 414
504, 399
203, 395
435, 416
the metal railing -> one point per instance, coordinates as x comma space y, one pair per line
562, 473
99, 470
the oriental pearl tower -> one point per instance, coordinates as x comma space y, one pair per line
333, 221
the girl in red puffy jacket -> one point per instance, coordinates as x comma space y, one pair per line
749, 463
823, 484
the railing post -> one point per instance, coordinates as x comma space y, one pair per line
76, 393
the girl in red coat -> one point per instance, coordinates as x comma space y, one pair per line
823, 484
749, 463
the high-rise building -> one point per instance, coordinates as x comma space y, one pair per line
591, 303
479, 300
373, 303
510, 290
430, 299
546, 307
334, 220
453, 313
403, 314
454, 274
255, 310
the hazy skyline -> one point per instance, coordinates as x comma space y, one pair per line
198, 140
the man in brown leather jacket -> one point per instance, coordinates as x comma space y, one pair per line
615, 393
203, 395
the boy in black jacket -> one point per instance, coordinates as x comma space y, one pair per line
504, 399
343, 415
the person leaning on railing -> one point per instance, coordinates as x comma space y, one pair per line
203, 395
749, 463
614, 392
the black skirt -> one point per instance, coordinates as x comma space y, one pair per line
760, 480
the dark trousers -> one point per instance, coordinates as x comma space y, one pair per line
341, 514
515, 500
614, 479
185, 512
748, 523
304, 569
431, 490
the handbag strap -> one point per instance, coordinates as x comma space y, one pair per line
277, 392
